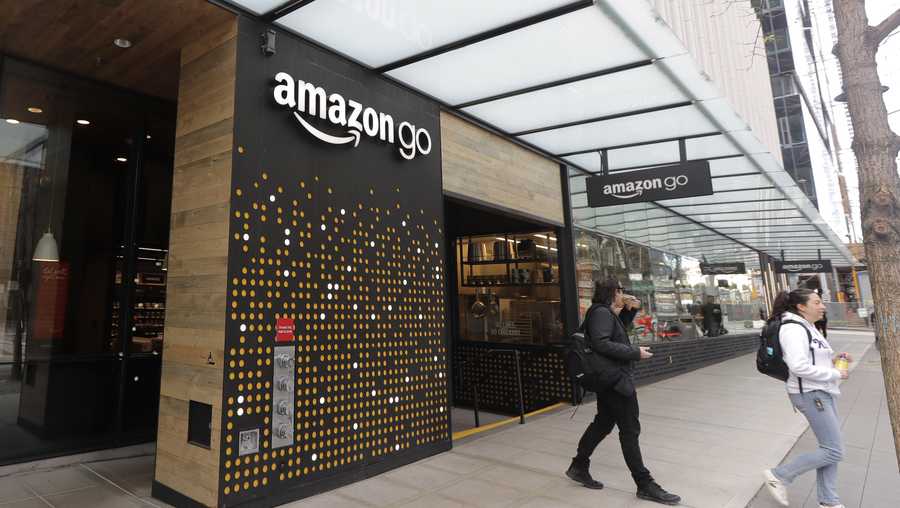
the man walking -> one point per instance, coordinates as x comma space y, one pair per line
617, 403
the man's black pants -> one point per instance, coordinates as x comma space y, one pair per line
615, 409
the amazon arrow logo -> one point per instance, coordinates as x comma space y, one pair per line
357, 119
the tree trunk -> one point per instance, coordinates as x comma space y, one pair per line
876, 147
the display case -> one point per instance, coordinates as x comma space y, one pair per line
509, 288
149, 312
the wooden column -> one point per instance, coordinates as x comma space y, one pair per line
197, 283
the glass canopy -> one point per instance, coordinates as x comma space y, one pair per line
600, 86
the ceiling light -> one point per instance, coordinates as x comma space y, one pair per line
122, 43
83, 122
148, 136
12, 121
35, 110
121, 159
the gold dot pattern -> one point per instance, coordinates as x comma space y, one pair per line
363, 282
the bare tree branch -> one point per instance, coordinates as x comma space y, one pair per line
887, 26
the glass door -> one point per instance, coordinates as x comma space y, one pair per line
85, 184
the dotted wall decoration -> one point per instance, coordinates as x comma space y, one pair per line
362, 282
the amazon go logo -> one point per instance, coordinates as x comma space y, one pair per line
635, 188
353, 117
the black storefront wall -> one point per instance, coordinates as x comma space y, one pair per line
345, 244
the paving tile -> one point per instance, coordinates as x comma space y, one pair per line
25, 503
434, 501
96, 497
423, 476
517, 478
489, 450
380, 491
13, 489
457, 463
482, 494
329, 500
56, 481
124, 468
576, 495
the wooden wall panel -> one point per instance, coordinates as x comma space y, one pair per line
198, 253
486, 168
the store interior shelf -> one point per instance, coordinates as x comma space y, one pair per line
508, 262
510, 284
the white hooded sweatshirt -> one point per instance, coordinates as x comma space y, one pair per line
814, 368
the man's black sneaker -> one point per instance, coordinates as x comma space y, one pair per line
583, 476
651, 491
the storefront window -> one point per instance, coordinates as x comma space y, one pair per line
509, 288
83, 232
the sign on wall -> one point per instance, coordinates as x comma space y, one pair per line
803, 266
722, 268
309, 101
684, 180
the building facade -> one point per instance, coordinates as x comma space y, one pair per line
286, 253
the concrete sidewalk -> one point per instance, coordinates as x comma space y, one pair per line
868, 476
707, 435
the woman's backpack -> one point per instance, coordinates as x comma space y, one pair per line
769, 356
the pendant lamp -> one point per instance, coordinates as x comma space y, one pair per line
46, 249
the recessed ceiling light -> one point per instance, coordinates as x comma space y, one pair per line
83, 122
12, 121
122, 43
148, 136
121, 159
35, 110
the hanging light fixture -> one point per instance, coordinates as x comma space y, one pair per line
47, 249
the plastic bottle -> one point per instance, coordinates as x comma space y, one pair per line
841, 363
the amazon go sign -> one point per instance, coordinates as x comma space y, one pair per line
683, 180
350, 119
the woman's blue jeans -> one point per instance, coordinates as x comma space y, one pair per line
820, 409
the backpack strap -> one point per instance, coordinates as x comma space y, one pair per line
812, 353
583, 328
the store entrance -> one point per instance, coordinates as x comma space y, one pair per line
87, 173
506, 317
87, 137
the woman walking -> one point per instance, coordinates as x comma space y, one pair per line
812, 386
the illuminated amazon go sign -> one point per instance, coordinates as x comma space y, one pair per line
357, 119
655, 184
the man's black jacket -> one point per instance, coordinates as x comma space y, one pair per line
615, 354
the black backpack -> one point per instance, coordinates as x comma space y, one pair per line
579, 355
770, 357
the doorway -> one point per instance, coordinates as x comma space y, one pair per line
506, 316
87, 180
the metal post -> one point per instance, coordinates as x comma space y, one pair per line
475, 390
521, 390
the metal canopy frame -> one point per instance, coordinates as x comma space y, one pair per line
648, 47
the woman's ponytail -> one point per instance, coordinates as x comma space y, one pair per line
779, 306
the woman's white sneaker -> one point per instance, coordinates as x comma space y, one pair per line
776, 488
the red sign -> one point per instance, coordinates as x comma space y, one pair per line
51, 297
284, 330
